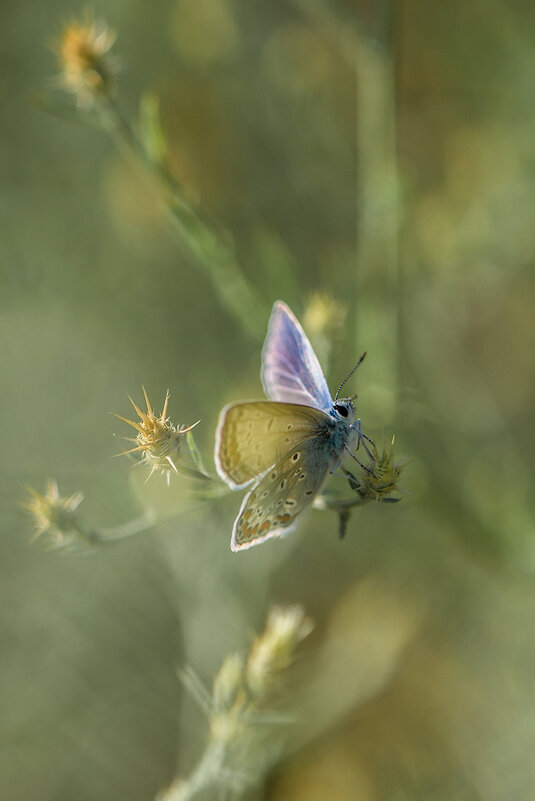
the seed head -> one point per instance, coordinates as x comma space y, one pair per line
273, 650
382, 479
53, 514
86, 69
158, 439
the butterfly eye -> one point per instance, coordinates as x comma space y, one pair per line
342, 410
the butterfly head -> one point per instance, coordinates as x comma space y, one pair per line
344, 409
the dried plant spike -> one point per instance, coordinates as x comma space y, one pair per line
235, 754
54, 515
382, 480
83, 48
273, 650
158, 440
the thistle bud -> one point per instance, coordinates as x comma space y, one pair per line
86, 69
55, 516
158, 440
381, 479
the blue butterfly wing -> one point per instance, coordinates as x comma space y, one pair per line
291, 372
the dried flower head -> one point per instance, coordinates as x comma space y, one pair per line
243, 733
381, 480
273, 650
86, 69
157, 440
53, 514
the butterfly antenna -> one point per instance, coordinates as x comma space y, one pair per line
348, 376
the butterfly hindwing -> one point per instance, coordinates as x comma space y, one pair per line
291, 372
253, 435
282, 493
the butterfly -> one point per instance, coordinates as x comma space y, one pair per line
285, 447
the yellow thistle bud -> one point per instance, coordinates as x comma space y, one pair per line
157, 440
383, 477
54, 515
83, 51
273, 650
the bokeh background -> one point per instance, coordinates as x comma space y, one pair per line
380, 154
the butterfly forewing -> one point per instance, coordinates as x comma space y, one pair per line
291, 372
254, 435
281, 494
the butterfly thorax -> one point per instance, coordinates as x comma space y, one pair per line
338, 427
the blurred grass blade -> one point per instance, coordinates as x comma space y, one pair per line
195, 453
150, 130
196, 688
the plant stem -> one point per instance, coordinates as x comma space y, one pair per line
206, 773
377, 275
125, 530
210, 247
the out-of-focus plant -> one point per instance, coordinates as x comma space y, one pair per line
55, 516
57, 520
88, 72
324, 320
243, 715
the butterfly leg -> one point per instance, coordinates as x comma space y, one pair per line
345, 473
357, 426
335, 466
354, 483
363, 466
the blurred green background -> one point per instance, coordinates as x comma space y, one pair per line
380, 154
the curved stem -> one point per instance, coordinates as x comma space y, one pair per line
211, 248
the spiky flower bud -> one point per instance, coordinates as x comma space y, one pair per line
158, 439
54, 515
381, 480
86, 69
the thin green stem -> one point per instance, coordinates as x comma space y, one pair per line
210, 247
124, 530
377, 259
